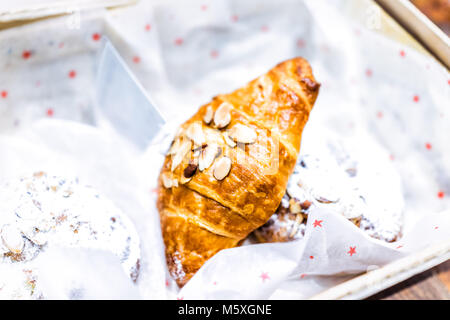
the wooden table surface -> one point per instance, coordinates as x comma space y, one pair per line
433, 284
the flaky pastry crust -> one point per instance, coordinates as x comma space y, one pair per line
206, 206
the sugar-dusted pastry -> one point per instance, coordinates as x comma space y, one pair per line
229, 164
357, 182
44, 211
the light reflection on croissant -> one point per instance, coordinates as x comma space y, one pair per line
228, 167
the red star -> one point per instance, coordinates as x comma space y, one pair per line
96, 36
61, 45
300, 43
154, 190
428, 146
180, 298
302, 275
136, 59
235, 18
324, 48
436, 227
264, 276
204, 7
311, 257
4, 94
148, 27
72, 74
441, 194
399, 246
380, 114
26, 54
179, 41
50, 112
416, 98
402, 53
369, 72
214, 283
317, 223
352, 251
264, 28
214, 54
167, 283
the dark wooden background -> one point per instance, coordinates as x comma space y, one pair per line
433, 284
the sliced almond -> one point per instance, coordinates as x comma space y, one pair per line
208, 116
12, 239
195, 133
174, 183
325, 200
184, 180
196, 153
219, 152
222, 168
207, 156
243, 134
166, 180
222, 116
175, 145
298, 221
228, 140
183, 149
294, 206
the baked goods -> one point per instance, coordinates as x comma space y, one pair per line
229, 164
341, 180
44, 211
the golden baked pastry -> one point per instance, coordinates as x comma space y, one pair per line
229, 164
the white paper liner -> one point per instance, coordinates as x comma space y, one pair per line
186, 56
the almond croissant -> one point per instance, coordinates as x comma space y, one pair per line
227, 169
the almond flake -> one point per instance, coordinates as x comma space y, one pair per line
243, 134
222, 116
175, 145
294, 206
184, 180
196, 153
228, 140
12, 239
207, 156
222, 168
298, 220
167, 182
181, 152
208, 116
195, 133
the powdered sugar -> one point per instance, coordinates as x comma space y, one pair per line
351, 177
42, 211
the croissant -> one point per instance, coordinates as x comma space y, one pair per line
228, 166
